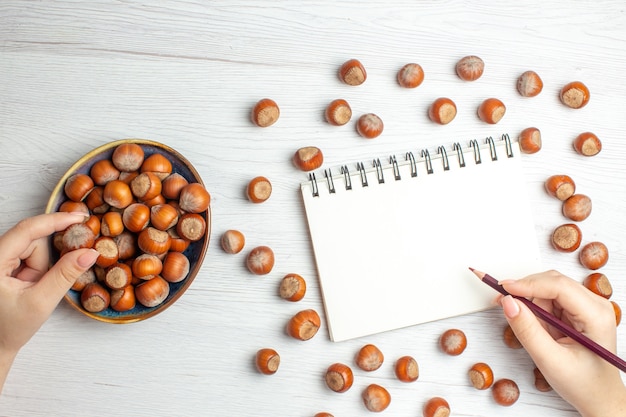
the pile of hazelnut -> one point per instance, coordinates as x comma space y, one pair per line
141, 217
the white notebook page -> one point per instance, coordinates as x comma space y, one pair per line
397, 254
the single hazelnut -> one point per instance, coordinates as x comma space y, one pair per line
259, 189
453, 342
566, 238
70, 206
172, 185
530, 140
338, 112
560, 186
369, 358
267, 361
352, 72
158, 164
111, 224
118, 276
323, 414
369, 126
376, 398
587, 144
123, 299
505, 392
194, 198
153, 292
442, 111
95, 201
117, 194
146, 186
108, 250
78, 186
103, 171
529, 84
618, 313
491, 110
510, 339
153, 241
136, 217
265, 112
94, 223
78, 236
128, 157
407, 369
232, 241
470, 68
308, 158
95, 298
260, 260
126, 245
577, 207
436, 407
175, 267
339, 377
481, 376
575, 95
191, 226
540, 381
599, 284
410, 76
594, 255
304, 325
163, 216
146, 266
292, 287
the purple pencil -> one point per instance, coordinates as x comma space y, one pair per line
556, 323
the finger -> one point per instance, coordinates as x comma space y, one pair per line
529, 331
51, 288
36, 260
17, 240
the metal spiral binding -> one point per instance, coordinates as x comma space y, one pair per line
409, 157
492, 148
361, 169
507, 144
316, 192
346, 177
396, 170
459, 154
379, 171
444, 158
429, 164
329, 179
474, 144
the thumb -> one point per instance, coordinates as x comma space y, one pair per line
538, 342
59, 279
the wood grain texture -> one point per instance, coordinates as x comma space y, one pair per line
76, 75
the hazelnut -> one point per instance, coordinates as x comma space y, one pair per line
136, 217
172, 185
338, 112
157, 164
339, 377
146, 266
83, 279
587, 144
78, 236
540, 381
560, 186
407, 369
481, 376
78, 186
292, 287
267, 361
191, 226
594, 255
566, 238
117, 194
510, 339
410, 76
95, 201
304, 325
111, 224
505, 392
194, 198
163, 216
123, 299
153, 241
599, 284
128, 157
369, 126
453, 342
260, 260
153, 292
369, 358
95, 298
74, 206
577, 207
376, 398
529, 84
618, 313
575, 95
118, 276
175, 267
436, 407
352, 72
470, 68
265, 112
308, 158
491, 110
530, 140
259, 189
232, 241
94, 224
146, 186
442, 111
323, 414
103, 171
109, 253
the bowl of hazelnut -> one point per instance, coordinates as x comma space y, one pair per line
147, 213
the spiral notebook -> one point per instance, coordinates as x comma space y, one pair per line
393, 239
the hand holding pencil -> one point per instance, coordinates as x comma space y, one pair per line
583, 378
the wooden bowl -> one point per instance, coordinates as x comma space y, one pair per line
195, 252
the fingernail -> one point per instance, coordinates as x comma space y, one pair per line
79, 213
510, 307
88, 258
506, 281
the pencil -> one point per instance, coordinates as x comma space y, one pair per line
557, 323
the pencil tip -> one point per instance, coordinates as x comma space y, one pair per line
478, 273
471, 269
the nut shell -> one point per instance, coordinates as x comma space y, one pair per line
470, 68
560, 186
259, 189
491, 110
587, 144
265, 112
481, 376
376, 398
505, 392
304, 324
369, 126
339, 377
267, 361
453, 342
260, 260
352, 72
575, 95
410, 76
442, 111
529, 84
594, 255
308, 158
338, 112
436, 407
407, 369
369, 358
153, 292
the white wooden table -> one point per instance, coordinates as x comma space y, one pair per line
75, 75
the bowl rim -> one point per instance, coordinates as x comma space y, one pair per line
59, 189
